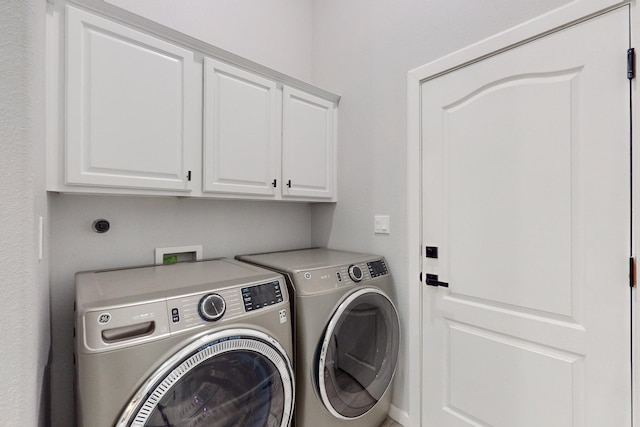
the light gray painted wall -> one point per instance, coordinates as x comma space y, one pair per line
276, 34
24, 290
363, 50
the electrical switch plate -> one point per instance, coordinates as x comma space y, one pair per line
381, 224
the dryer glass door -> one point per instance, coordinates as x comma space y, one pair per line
359, 352
232, 381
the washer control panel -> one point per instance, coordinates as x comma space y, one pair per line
211, 307
126, 307
259, 296
196, 310
222, 304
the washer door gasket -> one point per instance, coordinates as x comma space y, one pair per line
234, 378
359, 353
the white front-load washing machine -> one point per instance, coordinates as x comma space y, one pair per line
346, 334
185, 345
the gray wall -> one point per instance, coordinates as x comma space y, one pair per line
274, 33
24, 290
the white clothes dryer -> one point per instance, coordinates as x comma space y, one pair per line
346, 334
190, 344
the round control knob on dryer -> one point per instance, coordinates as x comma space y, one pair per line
211, 307
355, 273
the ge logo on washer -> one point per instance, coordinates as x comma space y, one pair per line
104, 318
307, 275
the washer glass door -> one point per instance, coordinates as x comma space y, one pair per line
359, 352
231, 381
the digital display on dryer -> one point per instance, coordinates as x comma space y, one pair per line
377, 268
259, 296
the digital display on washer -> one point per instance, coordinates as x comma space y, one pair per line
259, 296
377, 268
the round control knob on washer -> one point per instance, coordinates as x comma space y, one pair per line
355, 273
211, 307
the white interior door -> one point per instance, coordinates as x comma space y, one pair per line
526, 196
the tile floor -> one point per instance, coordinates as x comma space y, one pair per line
390, 423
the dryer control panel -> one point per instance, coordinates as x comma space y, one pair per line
377, 268
309, 282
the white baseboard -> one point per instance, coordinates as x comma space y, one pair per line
399, 416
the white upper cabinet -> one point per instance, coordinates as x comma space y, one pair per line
241, 131
308, 149
137, 108
265, 141
130, 107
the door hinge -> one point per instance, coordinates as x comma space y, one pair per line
631, 64
632, 272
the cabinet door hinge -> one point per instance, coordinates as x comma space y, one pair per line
632, 272
631, 64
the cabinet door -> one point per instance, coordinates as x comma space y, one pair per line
241, 131
130, 107
308, 150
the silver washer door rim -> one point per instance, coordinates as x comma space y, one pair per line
171, 371
335, 318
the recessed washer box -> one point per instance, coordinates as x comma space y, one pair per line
178, 254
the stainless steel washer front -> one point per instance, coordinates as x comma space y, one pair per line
190, 345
